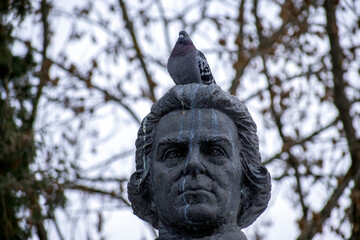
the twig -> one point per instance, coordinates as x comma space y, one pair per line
343, 105
242, 61
58, 229
76, 74
102, 179
35, 207
341, 101
166, 26
97, 191
45, 65
314, 225
110, 160
303, 140
293, 161
108, 95
130, 27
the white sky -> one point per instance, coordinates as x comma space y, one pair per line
121, 223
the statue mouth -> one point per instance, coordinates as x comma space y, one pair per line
195, 190
197, 196
201, 183
191, 187
198, 190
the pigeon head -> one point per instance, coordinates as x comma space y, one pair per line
184, 38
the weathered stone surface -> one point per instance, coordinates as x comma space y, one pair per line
198, 172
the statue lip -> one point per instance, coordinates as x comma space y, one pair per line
195, 186
195, 190
190, 189
196, 196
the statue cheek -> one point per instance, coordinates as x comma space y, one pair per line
163, 178
227, 172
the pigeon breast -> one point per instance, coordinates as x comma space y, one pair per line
183, 68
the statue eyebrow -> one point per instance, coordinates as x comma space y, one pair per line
215, 139
203, 139
175, 140
163, 143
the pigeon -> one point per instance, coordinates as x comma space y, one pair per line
186, 64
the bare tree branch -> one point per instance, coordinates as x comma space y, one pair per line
292, 160
302, 141
343, 105
166, 24
45, 65
242, 59
36, 213
315, 224
91, 190
35, 207
130, 27
58, 230
86, 80
340, 99
106, 93
110, 160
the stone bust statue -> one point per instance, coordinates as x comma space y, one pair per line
198, 172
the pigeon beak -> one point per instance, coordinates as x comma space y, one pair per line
181, 36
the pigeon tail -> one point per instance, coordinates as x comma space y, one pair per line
205, 71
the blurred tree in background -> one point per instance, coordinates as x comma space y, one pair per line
77, 77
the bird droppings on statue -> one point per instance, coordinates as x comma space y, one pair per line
187, 65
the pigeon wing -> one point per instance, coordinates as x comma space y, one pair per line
205, 71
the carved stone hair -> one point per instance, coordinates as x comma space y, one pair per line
256, 183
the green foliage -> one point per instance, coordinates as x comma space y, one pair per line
20, 190
20, 8
16, 150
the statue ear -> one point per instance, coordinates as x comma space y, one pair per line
151, 200
153, 217
140, 193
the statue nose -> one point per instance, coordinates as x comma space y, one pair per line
194, 162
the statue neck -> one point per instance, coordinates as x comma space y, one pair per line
227, 233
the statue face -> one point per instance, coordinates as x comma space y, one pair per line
196, 170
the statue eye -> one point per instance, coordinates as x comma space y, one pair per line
173, 156
215, 151
173, 153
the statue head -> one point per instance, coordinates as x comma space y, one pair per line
198, 164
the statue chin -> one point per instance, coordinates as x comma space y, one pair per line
198, 214
198, 217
